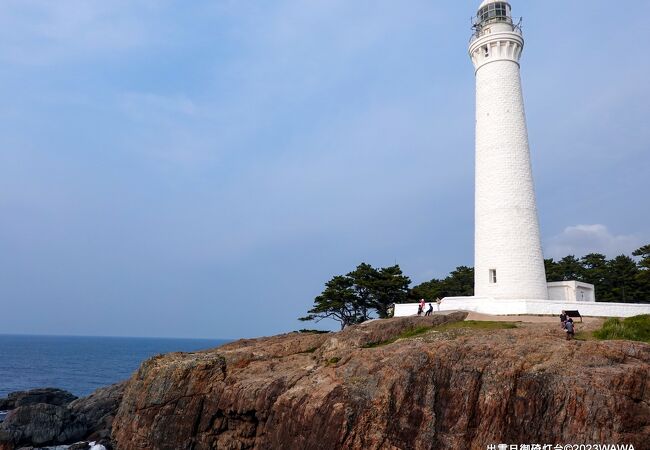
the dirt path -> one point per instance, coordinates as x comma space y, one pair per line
589, 323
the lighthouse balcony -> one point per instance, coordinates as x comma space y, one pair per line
493, 15
496, 47
481, 31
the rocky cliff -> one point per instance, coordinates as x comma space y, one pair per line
449, 387
43, 417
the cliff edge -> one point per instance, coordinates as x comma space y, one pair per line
409, 383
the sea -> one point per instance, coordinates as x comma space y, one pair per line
80, 365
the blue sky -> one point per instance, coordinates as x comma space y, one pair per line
200, 169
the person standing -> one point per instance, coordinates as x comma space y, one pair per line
563, 318
421, 307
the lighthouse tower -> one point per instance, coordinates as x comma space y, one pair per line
508, 253
509, 266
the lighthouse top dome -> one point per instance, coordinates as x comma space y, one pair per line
485, 2
491, 11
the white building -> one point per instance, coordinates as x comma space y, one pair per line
509, 265
508, 252
571, 291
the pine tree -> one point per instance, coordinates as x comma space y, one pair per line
338, 302
643, 277
621, 278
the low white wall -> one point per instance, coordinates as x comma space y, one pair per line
514, 307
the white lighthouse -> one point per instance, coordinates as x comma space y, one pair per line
509, 266
508, 252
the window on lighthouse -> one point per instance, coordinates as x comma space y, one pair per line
493, 276
498, 11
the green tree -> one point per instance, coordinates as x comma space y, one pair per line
621, 280
643, 277
459, 283
553, 272
390, 286
594, 267
569, 268
349, 299
644, 253
431, 289
364, 279
338, 301
594, 271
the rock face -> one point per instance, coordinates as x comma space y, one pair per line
41, 423
97, 411
459, 388
42, 417
49, 396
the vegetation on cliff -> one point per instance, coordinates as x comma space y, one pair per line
446, 326
635, 328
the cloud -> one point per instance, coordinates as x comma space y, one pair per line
581, 240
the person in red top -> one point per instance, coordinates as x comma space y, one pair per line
421, 307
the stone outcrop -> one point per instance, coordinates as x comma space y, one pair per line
50, 396
40, 424
448, 388
48, 417
97, 411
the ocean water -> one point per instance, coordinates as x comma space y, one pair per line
80, 364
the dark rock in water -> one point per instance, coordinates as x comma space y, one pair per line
6, 403
50, 396
97, 411
79, 446
41, 424
55, 447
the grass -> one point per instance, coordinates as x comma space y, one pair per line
468, 324
635, 328
412, 332
477, 325
584, 336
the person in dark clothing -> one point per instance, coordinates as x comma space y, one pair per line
570, 329
430, 310
563, 318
